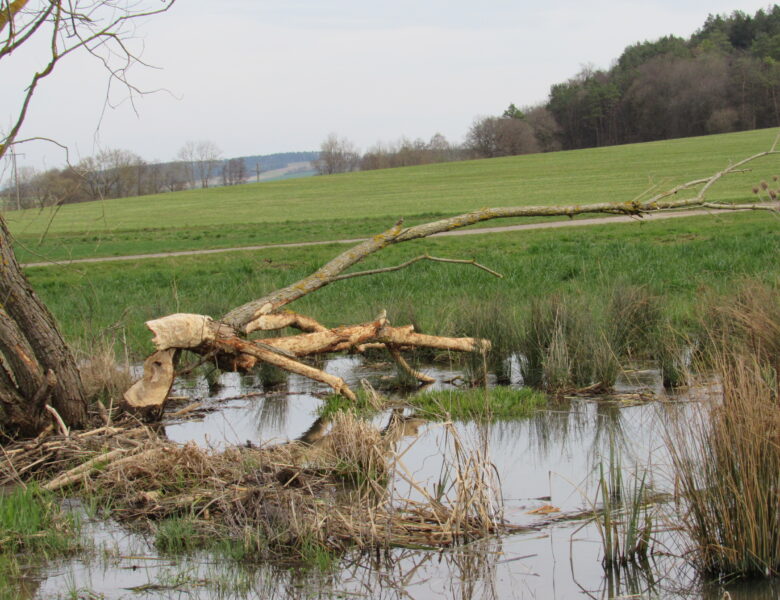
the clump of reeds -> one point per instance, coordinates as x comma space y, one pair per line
726, 457
566, 346
727, 464
355, 449
271, 376
623, 519
494, 319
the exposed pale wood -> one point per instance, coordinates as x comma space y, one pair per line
58, 419
182, 330
78, 472
401, 362
147, 395
249, 348
282, 320
403, 336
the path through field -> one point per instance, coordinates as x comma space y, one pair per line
479, 231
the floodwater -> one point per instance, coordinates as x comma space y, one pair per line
548, 462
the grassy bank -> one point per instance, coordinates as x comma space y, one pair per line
358, 204
31, 522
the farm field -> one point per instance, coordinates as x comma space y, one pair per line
361, 204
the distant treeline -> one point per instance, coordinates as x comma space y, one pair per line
723, 78
121, 173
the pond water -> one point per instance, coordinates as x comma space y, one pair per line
549, 460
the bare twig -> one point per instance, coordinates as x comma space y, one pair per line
414, 260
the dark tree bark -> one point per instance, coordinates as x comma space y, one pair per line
37, 366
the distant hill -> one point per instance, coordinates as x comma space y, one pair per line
282, 165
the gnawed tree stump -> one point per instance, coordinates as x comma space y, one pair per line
146, 397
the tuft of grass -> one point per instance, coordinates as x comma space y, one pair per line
567, 345
31, 520
479, 404
493, 318
178, 535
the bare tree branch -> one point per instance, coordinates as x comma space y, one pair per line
415, 260
101, 28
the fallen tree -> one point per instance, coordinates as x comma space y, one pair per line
227, 344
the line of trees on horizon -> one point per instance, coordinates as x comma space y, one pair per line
723, 78
118, 173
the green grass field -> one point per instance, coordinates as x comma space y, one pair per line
677, 260
360, 204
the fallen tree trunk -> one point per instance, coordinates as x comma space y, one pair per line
204, 336
225, 342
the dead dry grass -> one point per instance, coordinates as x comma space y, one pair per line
272, 502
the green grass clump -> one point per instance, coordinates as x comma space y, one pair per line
31, 520
334, 403
479, 404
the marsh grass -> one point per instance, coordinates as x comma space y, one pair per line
727, 465
567, 346
493, 318
726, 456
479, 404
623, 520
31, 520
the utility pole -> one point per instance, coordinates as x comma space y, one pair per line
16, 177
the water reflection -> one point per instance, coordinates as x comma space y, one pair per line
550, 459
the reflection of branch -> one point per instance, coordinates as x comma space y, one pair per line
414, 260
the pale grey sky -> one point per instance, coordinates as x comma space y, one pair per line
257, 77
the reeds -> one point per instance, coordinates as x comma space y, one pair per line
623, 520
567, 346
726, 457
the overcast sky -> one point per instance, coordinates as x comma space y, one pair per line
258, 77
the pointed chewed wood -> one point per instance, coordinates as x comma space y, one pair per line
147, 395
